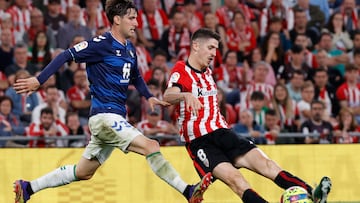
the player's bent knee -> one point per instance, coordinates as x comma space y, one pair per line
152, 146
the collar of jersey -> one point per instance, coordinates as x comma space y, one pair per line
194, 69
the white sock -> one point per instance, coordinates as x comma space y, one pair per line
165, 171
60, 176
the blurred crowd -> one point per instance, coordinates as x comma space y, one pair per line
283, 66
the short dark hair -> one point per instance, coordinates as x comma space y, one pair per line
320, 69
204, 33
315, 101
297, 49
46, 110
118, 7
356, 51
257, 96
271, 112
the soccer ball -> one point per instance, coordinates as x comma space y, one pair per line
295, 194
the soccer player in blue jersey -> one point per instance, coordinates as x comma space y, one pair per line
111, 67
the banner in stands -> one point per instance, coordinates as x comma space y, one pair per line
127, 178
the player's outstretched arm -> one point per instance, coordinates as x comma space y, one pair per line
155, 101
28, 85
174, 96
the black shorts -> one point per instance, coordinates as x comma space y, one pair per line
219, 146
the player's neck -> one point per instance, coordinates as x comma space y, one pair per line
194, 64
118, 37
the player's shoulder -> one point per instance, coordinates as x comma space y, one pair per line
179, 66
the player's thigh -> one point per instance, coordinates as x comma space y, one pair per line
231, 176
257, 161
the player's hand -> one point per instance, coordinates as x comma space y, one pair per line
193, 105
155, 101
28, 85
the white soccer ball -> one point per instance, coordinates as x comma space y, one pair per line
295, 194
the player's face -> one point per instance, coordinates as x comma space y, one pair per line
207, 51
128, 24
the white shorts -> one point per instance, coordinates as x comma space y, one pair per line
108, 130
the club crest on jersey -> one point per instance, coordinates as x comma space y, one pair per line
174, 77
81, 46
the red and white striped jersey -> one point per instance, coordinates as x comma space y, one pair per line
153, 25
265, 88
143, 59
20, 18
202, 85
324, 97
349, 94
36, 129
146, 125
286, 14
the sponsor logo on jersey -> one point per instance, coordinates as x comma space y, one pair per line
81, 46
203, 92
118, 53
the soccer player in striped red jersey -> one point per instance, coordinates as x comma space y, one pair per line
210, 143
111, 67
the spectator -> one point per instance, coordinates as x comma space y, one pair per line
347, 124
348, 94
340, 36
248, 127
258, 107
53, 18
176, 39
93, 16
276, 9
356, 42
240, 36
254, 57
285, 108
226, 13
193, 18
272, 128
9, 123
48, 126
75, 128
295, 84
230, 78
260, 69
159, 60
51, 101
350, 12
316, 124
23, 104
324, 61
40, 52
20, 15
276, 25
152, 23
7, 23
154, 126
337, 56
41, 93
6, 49
312, 34
310, 58
211, 22
273, 51
20, 63
78, 96
37, 24
315, 16
72, 28
326, 92
307, 96
296, 63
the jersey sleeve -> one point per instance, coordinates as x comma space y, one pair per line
179, 77
90, 51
